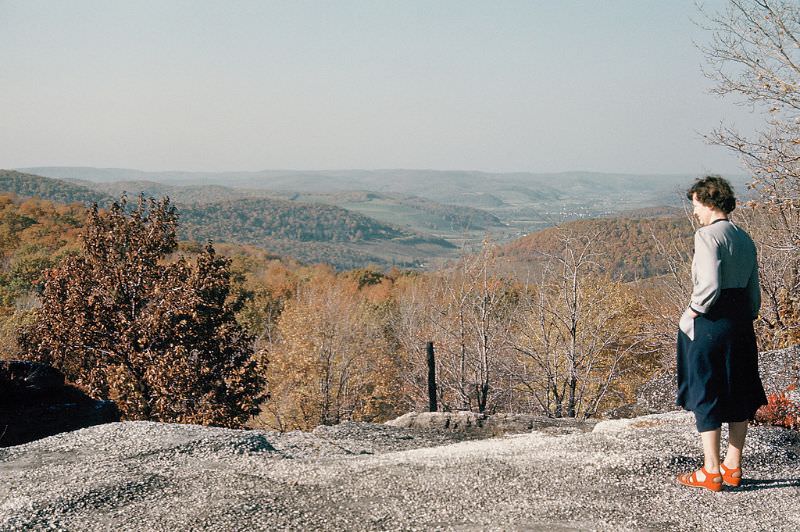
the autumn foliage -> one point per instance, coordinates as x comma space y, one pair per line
630, 246
175, 332
781, 410
158, 337
34, 235
332, 359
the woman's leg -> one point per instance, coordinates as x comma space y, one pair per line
708, 476
736, 435
711, 450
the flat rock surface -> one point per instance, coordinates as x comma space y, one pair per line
360, 476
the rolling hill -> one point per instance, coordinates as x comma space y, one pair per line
309, 232
629, 248
29, 185
412, 212
491, 189
523, 201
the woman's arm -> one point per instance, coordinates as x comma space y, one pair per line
706, 273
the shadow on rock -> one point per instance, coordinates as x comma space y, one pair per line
765, 484
35, 403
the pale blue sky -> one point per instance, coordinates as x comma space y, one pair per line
539, 86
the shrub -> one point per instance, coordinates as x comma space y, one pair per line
157, 337
782, 410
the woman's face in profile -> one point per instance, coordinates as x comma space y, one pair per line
703, 213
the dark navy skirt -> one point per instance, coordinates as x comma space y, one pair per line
718, 376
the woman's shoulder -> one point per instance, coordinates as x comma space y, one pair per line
724, 233
710, 232
720, 228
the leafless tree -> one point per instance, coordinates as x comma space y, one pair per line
754, 56
466, 311
665, 297
778, 323
577, 331
412, 330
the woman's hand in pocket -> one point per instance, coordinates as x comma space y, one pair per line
686, 323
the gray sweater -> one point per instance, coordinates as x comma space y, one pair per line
724, 257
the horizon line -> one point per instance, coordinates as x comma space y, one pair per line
396, 169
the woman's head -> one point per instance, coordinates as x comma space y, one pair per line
711, 196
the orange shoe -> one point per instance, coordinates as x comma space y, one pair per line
728, 475
713, 481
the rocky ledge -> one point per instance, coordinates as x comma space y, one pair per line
361, 476
35, 402
476, 425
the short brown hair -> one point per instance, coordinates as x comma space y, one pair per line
713, 191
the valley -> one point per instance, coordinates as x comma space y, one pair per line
417, 219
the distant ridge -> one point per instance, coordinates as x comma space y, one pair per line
309, 232
592, 193
29, 186
469, 177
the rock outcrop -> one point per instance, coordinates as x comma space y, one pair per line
362, 476
476, 425
35, 403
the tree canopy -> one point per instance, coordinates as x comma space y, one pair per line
157, 334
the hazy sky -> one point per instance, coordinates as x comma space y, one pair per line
538, 86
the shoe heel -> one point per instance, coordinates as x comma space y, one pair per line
727, 476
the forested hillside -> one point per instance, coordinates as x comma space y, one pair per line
661, 211
309, 232
179, 194
402, 210
248, 220
29, 185
406, 210
34, 235
240, 219
626, 248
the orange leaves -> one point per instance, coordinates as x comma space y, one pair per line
330, 360
782, 410
34, 235
158, 338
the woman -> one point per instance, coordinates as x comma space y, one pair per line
718, 376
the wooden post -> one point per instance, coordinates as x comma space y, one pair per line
431, 379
